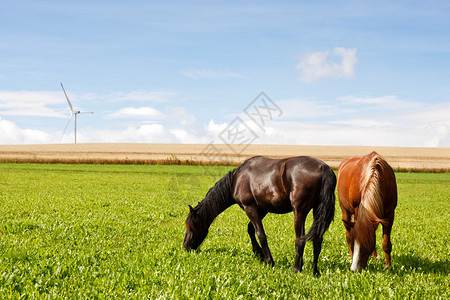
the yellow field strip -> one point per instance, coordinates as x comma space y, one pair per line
400, 158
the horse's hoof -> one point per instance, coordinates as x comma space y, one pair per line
258, 256
269, 262
296, 270
316, 273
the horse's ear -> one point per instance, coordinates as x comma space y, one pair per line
191, 210
348, 224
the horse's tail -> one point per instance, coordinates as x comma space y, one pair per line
372, 196
324, 212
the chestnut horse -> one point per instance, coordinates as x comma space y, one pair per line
367, 194
262, 185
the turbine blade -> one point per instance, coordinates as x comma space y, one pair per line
67, 124
86, 112
68, 101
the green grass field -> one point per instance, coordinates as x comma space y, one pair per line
109, 231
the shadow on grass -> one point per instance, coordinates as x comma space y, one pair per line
402, 264
285, 262
231, 251
410, 262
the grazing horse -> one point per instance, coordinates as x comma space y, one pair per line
367, 193
262, 185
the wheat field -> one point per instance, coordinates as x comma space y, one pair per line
400, 158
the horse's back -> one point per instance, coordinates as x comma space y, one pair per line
266, 170
272, 183
352, 169
257, 182
353, 174
375, 163
306, 173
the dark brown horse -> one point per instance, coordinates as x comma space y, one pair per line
262, 185
367, 193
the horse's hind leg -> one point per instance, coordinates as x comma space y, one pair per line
374, 253
300, 242
317, 245
387, 245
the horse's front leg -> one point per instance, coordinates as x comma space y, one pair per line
299, 225
255, 246
348, 224
255, 218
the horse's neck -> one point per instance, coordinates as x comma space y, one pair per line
211, 207
217, 199
365, 228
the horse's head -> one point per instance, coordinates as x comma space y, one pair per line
360, 256
362, 241
196, 230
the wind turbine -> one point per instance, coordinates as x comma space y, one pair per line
73, 113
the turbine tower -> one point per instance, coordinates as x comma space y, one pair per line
73, 113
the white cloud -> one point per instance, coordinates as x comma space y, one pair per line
395, 122
177, 126
185, 127
181, 135
212, 74
416, 127
120, 96
340, 63
384, 102
356, 133
351, 120
31, 103
145, 133
215, 129
180, 116
11, 134
428, 114
138, 96
140, 112
148, 133
363, 123
433, 121
43, 97
298, 109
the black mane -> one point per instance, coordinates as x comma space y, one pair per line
217, 199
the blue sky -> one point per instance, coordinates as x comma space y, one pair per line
341, 72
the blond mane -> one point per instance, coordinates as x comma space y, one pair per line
372, 196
